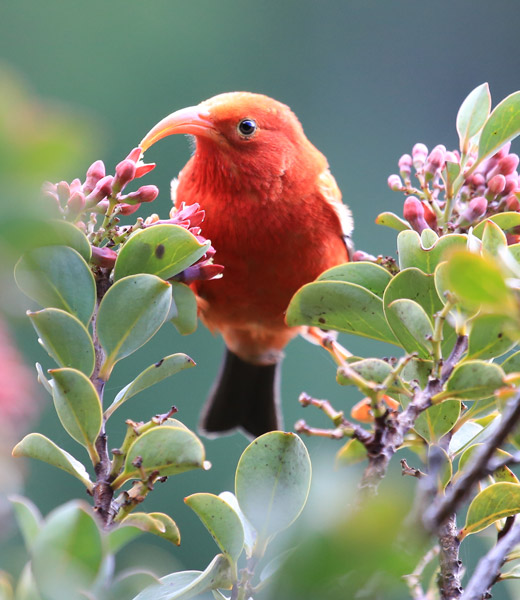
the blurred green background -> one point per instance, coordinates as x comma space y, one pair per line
85, 80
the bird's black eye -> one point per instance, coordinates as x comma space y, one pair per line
246, 127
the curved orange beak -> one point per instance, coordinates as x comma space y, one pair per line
193, 120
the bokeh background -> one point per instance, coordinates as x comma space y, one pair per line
83, 80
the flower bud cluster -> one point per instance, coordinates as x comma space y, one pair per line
76, 199
427, 179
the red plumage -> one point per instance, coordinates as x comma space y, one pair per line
275, 217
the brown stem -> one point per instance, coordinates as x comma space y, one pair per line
103, 492
450, 565
488, 568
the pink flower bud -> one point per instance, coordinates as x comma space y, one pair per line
413, 212
102, 189
508, 164
95, 172
125, 172
405, 166
146, 193
63, 191
104, 257
143, 169
128, 209
511, 184
134, 155
452, 157
475, 210
476, 180
429, 215
76, 204
496, 185
360, 255
200, 272
419, 154
395, 183
504, 151
512, 203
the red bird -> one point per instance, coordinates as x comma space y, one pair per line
275, 216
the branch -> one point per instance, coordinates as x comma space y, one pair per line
479, 467
488, 568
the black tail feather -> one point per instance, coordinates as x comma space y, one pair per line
244, 396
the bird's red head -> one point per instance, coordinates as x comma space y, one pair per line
241, 128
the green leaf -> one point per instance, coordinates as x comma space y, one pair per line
493, 503
250, 534
35, 445
413, 254
185, 301
28, 517
502, 474
67, 553
190, 584
157, 523
222, 522
372, 369
169, 450
351, 453
437, 420
418, 370
78, 406
411, 326
415, 285
389, 219
493, 239
58, 277
63, 233
272, 481
464, 436
162, 250
488, 337
131, 312
129, 583
366, 274
473, 114
478, 281
512, 363
502, 126
474, 380
166, 367
505, 220
428, 238
26, 587
65, 338
340, 306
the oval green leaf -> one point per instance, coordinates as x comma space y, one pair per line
351, 453
473, 114
36, 445
169, 450
340, 306
512, 363
488, 337
166, 367
413, 254
272, 481
131, 312
191, 584
58, 277
505, 220
474, 380
163, 250
372, 277
28, 518
502, 126
156, 523
478, 281
250, 534
65, 338
371, 369
63, 232
497, 501
389, 219
222, 522
68, 552
437, 420
78, 406
185, 301
411, 326
493, 238
502, 474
